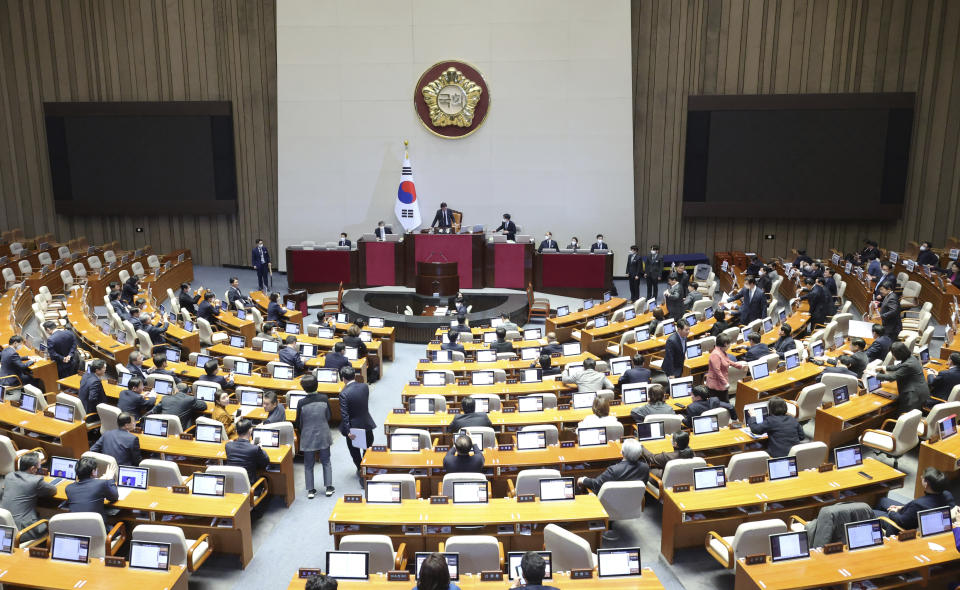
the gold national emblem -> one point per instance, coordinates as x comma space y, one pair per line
453, 99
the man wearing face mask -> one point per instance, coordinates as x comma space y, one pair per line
926, 257
652, 269
634, 270
343, 240
574, 244
599, 244
508, 227
548, 242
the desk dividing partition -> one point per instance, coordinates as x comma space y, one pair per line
19, 570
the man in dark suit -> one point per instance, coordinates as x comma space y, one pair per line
547, 243
119, 307
15, 370
160, 367
886, 276
637, 373
842, 368
343, 241
829, 282
508, 227
260, 259
880, 346
135, 318
935, 495
855, 362
631, 468
187, 300
21, 490
121, 444
451, 343
912, 389
181, 404
274, 409
291, 355
133, 401
501, 345
355, 414
942, 383
463, 456
703, 401
752, 301
693, 295
444, 217
757, 349
533, 567
206, 310
211, 368
130, 290
675, 351
652, 269
335, 359
468, 416
242, 452
674, 298
784, 342
234, 294
87, 494
599, 244
91, 390
634, 272
890, 311
926, 257
154, 331
681, 450
552, 347
783, 431
62, 348
275, 311
382, 231
135, 365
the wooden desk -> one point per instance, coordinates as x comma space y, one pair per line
501, 517
506, 391
89, 335
646, 581
387, 335
231, 323
279, 474
723, 510
843, 424
913, 559
66, 439
196, 515
15, 311
943, 454
564, 326
262, 301
262, 358
464, 367
19, 570
786, 384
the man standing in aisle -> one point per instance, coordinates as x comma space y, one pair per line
355, 419
634, 270
261, 262
62, 348
652, 269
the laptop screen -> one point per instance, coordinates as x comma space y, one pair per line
783, 468
489, 337
871, 383
619, 365
6, 539
583, 400
291, 328
442, 356
791, 359
681, 387
155, 426
531, 375
326, 375
693, 351
470, 492
691, 320
756, 412
208, 484
600, 322
209, 433
482, 377
486, 356
533, 439
947, 427
63, 412
125, 378
405, 442
132, 477
515, 557
282, 372
532, 334
759, 370
669, 327
63, 467
325, 332
206, 393
28, 403
618, 562
863, 534
162, 386
422, 405
786, 546
150, 556
308, 350
650, 430
267, 437
629, 314
453, 564
924, 355
587, 304
383, 492
351, 352
530, 403
237, 341
705, 424
530, 353
556, 488
782, 315
562, 311
366, 336
934, 521
434, 378
571, 349
270, 346
849, 456
75, 548
173, 355
708, 313
767, 325
348, 565
375, 322
817, 348
250, 397
592, 436
293, 400
840, 395
290, 304
642, 334
706, 478
482, 404
635, 393
188, 326
202, 360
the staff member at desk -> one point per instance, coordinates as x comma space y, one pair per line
312, 422
574, 244
459, 458
782, 431
444, 217
681, 450
88, 493
912, 388
121, 443
274, 409
275, 311
21, 490
942, 383
935, 495
290, 355
508, 227
15, 370
534, 568
599, 244
469, 416
718, 369
343, 241
206, 309
355, 414
244, 453
181, 404
91, 390
631, 468
589, 379
220, 413
335, 359
187, 300
548, 243
134, 401
62, 348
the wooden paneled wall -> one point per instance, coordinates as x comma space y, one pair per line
140, 50
690, 47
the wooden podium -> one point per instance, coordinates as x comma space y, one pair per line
437, 277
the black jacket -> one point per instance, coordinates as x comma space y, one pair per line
441, 220
700, 406
943, 382
130, 289
783, 345
634, 265
471, 419
88, 495
912, 388
878, 349
454, 463
291, 356
121, 445
635, 375
182, 405
782, 433
890, 315
60, 345
354, 408
335, 360
11, 364
275, 312
243, 453
674, 355
622, 471
355, 342
906, 517
91, 392
509, 228
207, 312
134, 404
187, 302
756, 352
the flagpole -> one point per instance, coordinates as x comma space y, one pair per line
406, 148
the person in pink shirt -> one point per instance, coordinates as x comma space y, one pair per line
718, 368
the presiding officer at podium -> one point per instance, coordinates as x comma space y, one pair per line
508, 227
444, 217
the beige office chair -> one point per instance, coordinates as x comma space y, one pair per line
6, 519
897, 442
493, 400
163, 473
722, 414
287, 434
106, 465
380, 547
808, 400
123, 275
108, 416
187, 553
89, 524
174, 427
671, 422
623, 500
207, 336
478, 553
238, 482
810, 455
409, 486
202, 420
528, 481
675, 472
746, 464
831, 381
570, 551
751, 538
9, 455
153, 261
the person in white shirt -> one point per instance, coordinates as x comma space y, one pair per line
600, 416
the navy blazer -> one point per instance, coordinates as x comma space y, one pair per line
91, 392
354, 408
156, 332
443, 218
700, 406
468, 420
255, 258
11, 364
382, 232
548, 244
782, 433
137, 372
292, 357
906, 517
783, 345
943, 382
674, 355
134, 404
751, 308
635, 375
60, 344
218, 379
187, 302
243, 453
121, 309
454, 463
756, 352
275, 312
88, 495
121, 445
278, 414
206, 311
335, 360
878, 349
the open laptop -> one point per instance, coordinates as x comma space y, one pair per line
863, 534
63, 412
125, 378
202, 359
592, 436
237, 341
706, 424
759, 369
531, 375
147, 555
383, 492
351, 352
327, 375
28, 403
515, 557
291, 328
784, 546
207, 393
619, 365
250, 400
481, 378
442, 356
155, 426
133, 477
453, 564
584, 399
650, 430
947, 427
587, 304
421, 405
73, 548
600, 322
404, 443
267, 437
62, 468
642, 334
470, 492
208, 484
307, 350
782, 468
791, 360
162, 387
556, 488
375, 322
681, 387
530, 353
934, 521
489, 337
840, 395
348, 565
635, 393
293, 399
530, 403
283, 372
563, 310
482, 404
571, 349
708, 478
531, 440
669, 327
209, 433
871, 383
325, 332
270, 346
849, 456
6, 539
694, 349
629, 314
532, 334
612, 563
434, 378
486, 356
816, 349
756, 412
173, 355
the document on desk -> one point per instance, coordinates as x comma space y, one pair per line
360, 438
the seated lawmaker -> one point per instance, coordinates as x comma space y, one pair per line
756, 349
703, 401
548, 243
942, 383
451, 343
206, 309
844, 367
784, 342
855, 362
589, 379
274, 409
434, 574
878, 349
468, 416
87, 493
501, 345
119, 306
130, 289
210, 369
181, 404
926, 257
654, 405
242, 452
463, 456
187, 300
545, 364
21, 491
160, 367
134, 400
120, 443
782, 430
275, 311
533, 567
15, 370
935, 495
507, 227
720, 323
681, 450
631, 468
235, 295
290, 355
336, 357
693, 295
382, 231
599, 416
637, 373
552, 346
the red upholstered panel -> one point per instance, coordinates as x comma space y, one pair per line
381, 269
319, 266
447, 248
573, 270
508, 266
